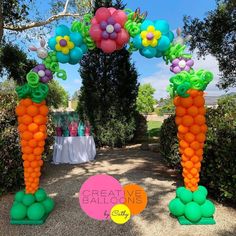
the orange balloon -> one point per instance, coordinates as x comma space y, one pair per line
20, 110
38, 158
32, 110
26, 119
31, 157
178, 120
189, 137
199, 152
40, 162
180, 111
201, 137
22, 128
33, 127
33, 175
192, 111
202, 110
27, 135
197, 165
187, 120
188, 152
43, 110
184, 158
41, 143
183, 144
189, 176
34, 164
20, 119
27, 150
39, 136
182, 129
26, 174
195, 129
43, 128
26, 164
186, 180
200, 119
204, 128
186, 102
39, 119
38, 151
25, 157
192, 92
23, 143
180, 136
176, 101
37, 169
33, 143
195, 159
199, 101
26, 102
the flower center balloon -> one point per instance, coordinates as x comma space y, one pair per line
63, 42
41, 73
110, 29
182, 64
150, 36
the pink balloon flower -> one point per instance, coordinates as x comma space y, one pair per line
107, 29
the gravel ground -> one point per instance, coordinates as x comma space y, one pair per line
62, 182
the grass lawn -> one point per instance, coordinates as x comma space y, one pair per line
154, 128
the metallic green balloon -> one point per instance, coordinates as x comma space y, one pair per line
176, 207
18, 211
36, 211
193, 212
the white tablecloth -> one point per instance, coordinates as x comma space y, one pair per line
74, 150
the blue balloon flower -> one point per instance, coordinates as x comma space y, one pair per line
69, 46
154, 39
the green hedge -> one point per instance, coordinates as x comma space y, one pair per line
219, 163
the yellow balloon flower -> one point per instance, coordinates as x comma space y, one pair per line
150, 36
64, 44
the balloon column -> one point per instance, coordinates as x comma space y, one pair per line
190, 205
110, 30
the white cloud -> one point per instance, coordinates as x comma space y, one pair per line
160, 79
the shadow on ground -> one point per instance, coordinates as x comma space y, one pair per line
145, 168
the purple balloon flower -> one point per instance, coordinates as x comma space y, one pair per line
181, 64
45, 75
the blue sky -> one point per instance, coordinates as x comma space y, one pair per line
154, 70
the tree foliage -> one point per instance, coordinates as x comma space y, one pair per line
216, 35
145, 99
14, 63
57, 96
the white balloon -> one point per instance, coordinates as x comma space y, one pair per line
41, 73
110, 29
182, 63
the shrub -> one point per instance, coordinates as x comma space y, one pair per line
11, 169
219, 163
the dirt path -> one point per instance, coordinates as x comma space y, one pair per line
63, 182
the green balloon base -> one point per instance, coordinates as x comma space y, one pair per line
31, 209
203, 221
26, 221
192, 208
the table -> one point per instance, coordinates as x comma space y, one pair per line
74, 150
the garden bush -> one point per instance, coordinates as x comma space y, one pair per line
218, 171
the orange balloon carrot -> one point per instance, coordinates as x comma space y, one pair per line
191, 123
32, 119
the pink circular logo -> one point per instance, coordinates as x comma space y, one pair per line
99, 194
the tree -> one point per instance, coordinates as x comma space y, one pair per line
216, 35
15, 16
108, 93
57, 96
145, 99
14, 63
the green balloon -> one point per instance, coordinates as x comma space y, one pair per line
199, 197
176, 207
179, 190
207, 209
15, 203
19, 196
28, 199
18, 211
203, 189
48, 204
193, 212
186, 196
40, 195
36, 211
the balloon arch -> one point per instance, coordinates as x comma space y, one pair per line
110, 30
